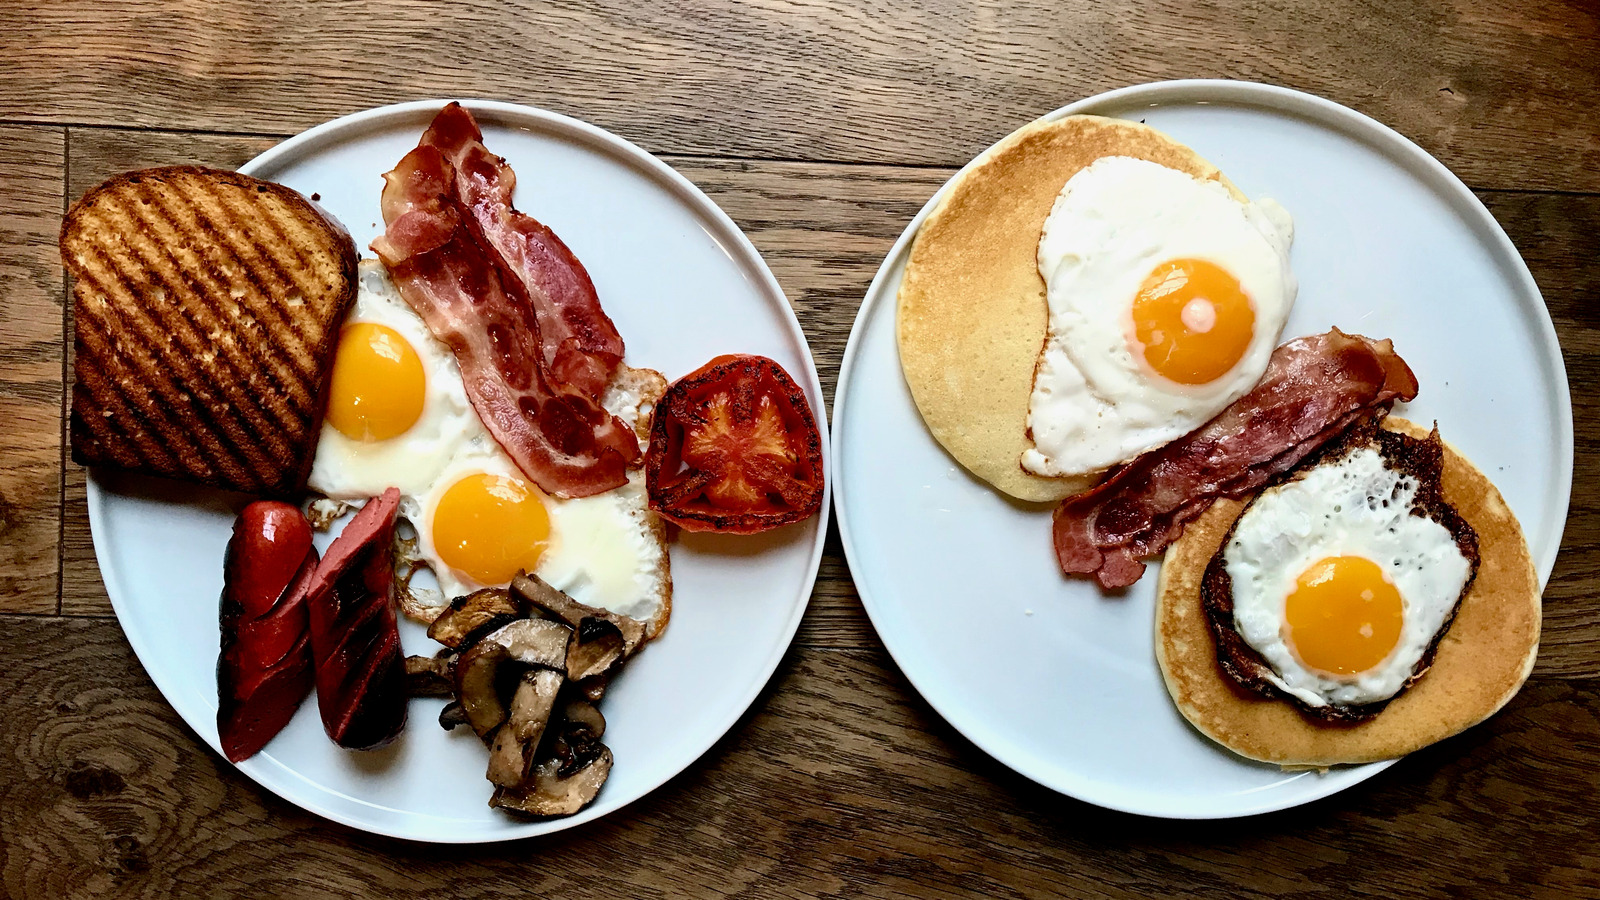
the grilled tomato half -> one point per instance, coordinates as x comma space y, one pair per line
734, 448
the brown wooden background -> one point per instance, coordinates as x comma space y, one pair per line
820, 126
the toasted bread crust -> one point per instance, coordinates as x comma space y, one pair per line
207, 307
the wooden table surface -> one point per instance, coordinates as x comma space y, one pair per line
820, 126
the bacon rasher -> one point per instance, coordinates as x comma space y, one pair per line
581, 346
558, 434
1314, 388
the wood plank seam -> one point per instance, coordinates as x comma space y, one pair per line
279, 136
66, 360
1551, 192
668, 156
98, 126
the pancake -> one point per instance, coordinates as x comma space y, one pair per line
972, 315
1481, 662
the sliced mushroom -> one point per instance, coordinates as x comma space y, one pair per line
597, 646
550, 793
430, 676
594, 687
601, 639
585, 716
535, 642
512, 752
484, 685
452, 715
476, 686
574, 738
474, 615
535, 590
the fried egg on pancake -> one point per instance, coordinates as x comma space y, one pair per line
1166, 297
398, 416
972, 312
1342, 579
1476, 666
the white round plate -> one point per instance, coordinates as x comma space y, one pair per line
1059, 681
683, 284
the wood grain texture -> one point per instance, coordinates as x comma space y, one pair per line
82, 591
1502, 91
1559, 237
821, 126
841, 784
31, 166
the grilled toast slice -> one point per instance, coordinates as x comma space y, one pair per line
208, 307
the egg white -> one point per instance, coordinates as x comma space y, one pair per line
603, 550
1094, 404
1353, 506
347, 469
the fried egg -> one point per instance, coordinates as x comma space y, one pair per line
483, 523
396, 410
1166, 296
1339, 584
399, 416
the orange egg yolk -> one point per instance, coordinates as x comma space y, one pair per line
1343, 615
376, 392
1193, 321
489, 527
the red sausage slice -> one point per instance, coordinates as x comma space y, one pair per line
265, 667
354, 633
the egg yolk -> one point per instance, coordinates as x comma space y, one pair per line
1193, 320
376, 392
489, 527
1343, 615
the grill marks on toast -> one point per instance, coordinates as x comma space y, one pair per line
252, 270
208, 308
265, 425
244, 442
130, 342
133, 341
256, 268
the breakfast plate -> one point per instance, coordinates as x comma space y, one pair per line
683, 285
1054, 677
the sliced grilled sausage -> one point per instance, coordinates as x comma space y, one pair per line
265, 667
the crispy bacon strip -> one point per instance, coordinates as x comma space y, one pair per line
1314, 388
562, 439
581, 345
